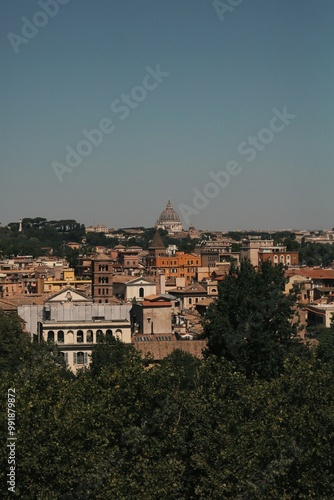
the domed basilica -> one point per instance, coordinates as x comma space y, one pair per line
169, 220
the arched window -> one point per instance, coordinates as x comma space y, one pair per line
80, 336
99, 335
141, 292
51, 336
89, 336
109, 334
60, 336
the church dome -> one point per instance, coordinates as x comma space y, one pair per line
169, 214
169, 220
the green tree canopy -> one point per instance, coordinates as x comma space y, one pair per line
251, 321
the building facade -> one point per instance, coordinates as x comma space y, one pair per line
257, 251
153, 316
76, 338
102, 273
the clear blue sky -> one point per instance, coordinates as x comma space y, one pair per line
225, 78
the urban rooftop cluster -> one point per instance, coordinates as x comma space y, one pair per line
150, 287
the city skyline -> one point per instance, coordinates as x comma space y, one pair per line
110, 109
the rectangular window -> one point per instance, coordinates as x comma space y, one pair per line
65, 356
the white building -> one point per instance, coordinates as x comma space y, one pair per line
74, 323
76, 338
127, 288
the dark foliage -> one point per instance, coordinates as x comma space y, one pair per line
251, 321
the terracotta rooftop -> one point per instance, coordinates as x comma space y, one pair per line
156, 301
23, 300
153, 296
194, 288
311, 272
205, 302
122, 279
7, 306
102, 256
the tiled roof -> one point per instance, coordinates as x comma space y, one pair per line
154, 301
154, 296
7, 306
312, 273
23, 300
102, 256
122, 279
195, 288
205, 302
